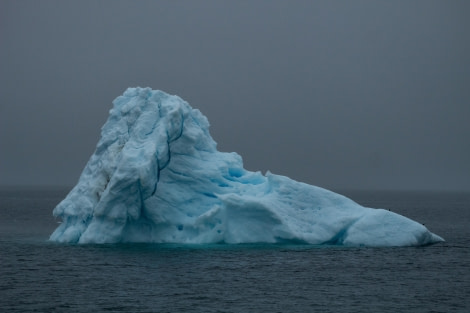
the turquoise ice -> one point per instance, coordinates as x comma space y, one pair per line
156, 176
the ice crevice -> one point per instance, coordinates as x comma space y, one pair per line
157, 176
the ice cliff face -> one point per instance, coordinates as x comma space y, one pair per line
156, 176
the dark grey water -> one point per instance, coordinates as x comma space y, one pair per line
39, 276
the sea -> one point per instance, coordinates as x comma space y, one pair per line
41, 276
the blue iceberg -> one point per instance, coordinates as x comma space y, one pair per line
156, 176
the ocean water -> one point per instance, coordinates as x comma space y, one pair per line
40, 276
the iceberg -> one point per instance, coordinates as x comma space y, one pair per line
157, 176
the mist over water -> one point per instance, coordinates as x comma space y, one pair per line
41, 276
335, 94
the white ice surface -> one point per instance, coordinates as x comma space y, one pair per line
156, 176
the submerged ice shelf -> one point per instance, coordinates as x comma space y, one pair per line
156, 176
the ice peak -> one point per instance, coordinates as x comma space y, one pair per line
156, 176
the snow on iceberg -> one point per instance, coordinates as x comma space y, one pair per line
156, 176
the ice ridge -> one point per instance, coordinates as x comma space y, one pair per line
157, 176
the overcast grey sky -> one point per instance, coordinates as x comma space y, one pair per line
340, 94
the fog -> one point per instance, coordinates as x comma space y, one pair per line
343, 94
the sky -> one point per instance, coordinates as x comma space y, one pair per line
339, 94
